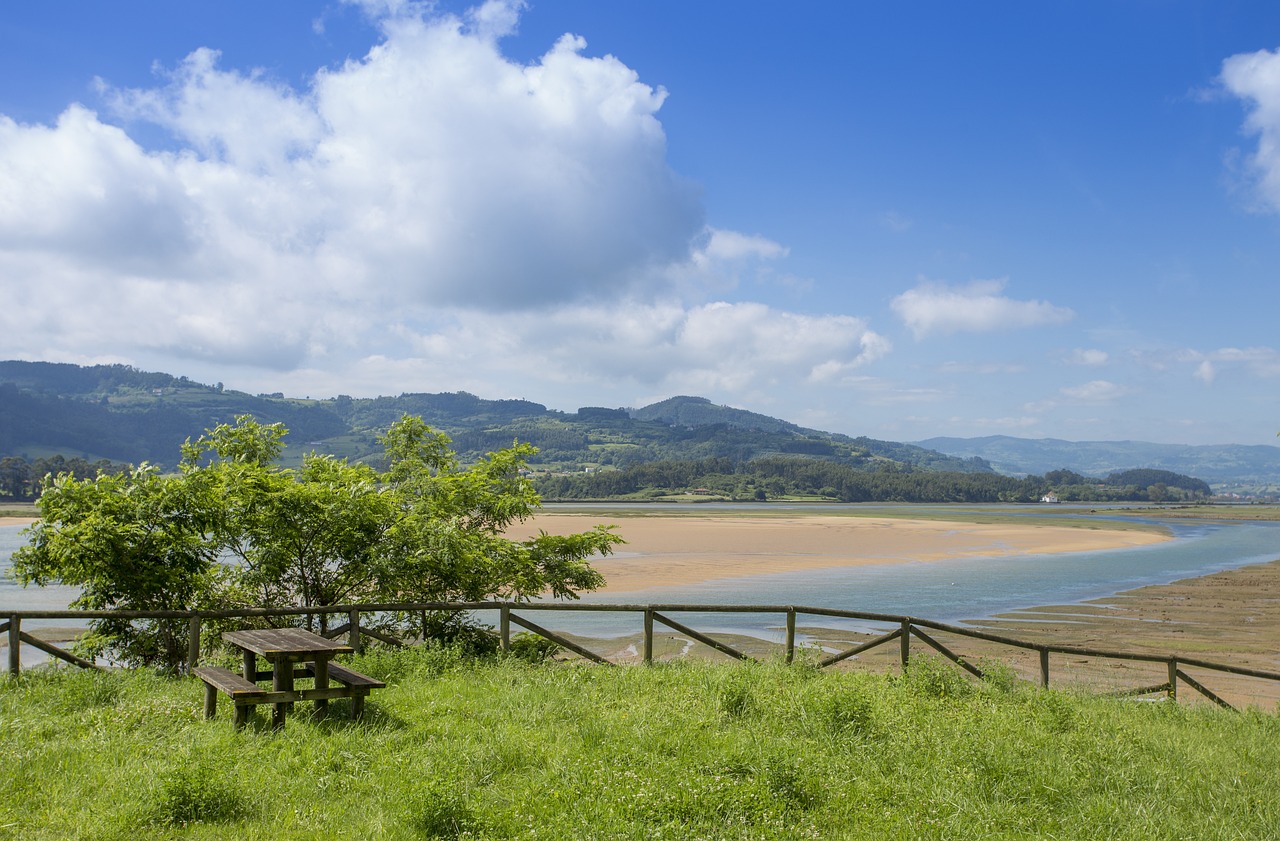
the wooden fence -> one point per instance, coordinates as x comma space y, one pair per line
904, 628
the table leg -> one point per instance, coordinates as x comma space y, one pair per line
322, 682
281, 681
250, 666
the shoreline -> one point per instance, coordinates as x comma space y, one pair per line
674, 551
17, 521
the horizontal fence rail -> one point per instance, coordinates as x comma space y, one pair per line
906, 628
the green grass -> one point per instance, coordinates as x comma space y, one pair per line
456, 749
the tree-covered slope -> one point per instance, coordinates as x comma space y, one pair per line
121, 413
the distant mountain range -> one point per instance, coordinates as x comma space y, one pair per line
119, 413
1225, 466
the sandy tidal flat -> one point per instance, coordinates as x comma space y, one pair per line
664, 551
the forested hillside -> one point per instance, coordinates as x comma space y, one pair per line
83, 419
120, 414
791, 477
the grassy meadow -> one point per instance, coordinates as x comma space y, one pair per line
459, 748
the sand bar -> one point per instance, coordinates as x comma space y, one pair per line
664, 551
16, 521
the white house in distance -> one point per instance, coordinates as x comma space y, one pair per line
1050, 497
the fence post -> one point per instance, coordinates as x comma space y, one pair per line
193, 643
1173, 678
1044, 668
648, 635
906, 642
353, 633
15, 656
504, 626
791, 634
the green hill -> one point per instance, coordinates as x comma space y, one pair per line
119, 413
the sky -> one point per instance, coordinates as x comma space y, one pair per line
899, 220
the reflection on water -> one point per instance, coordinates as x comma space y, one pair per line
948, 591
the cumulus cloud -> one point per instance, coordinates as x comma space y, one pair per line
432, 215
1255, 79
979, 307
715, 348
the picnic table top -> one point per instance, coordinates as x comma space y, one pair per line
274, 643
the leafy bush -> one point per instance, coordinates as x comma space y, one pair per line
533, 648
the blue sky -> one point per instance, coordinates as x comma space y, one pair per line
895, 220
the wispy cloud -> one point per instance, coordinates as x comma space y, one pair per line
978, 307
1096, 391
1263, 362
898, 223
1089, 357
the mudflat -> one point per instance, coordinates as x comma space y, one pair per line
663, 551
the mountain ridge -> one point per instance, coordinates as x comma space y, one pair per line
120, 413
1222, 465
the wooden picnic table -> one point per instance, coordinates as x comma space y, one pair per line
286, 649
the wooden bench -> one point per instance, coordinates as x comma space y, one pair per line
359, 685
243, 693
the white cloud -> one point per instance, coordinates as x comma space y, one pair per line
1097, 391
731, 245
938, 308
432, 216
1090, 357
1263, 362
714, 348
1255, 78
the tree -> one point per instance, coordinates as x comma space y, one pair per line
235, 528
129, 541
447, 542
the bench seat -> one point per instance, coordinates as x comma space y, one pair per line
352, 678
244, 693
358, 685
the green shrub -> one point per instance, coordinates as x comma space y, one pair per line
533, 648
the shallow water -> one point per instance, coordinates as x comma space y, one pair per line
948, 591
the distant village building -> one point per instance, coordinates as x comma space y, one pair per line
1050, 497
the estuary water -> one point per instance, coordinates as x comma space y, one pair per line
948, 590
